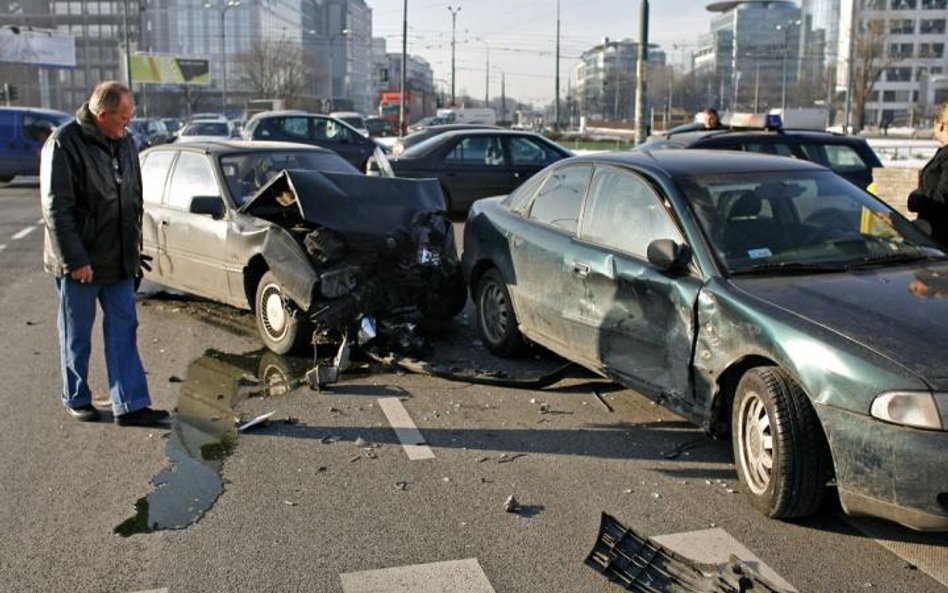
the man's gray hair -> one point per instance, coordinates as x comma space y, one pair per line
106, 96
941, 113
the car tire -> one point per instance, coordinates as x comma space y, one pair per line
780, 450
497, 324
280, 322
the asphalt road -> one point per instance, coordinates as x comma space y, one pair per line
325, 495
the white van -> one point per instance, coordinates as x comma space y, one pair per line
352, 118
465, 115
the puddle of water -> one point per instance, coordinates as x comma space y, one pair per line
203, 433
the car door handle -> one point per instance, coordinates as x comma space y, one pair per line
579, 268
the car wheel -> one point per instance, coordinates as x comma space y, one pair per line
496, 321
279, 320
779, 448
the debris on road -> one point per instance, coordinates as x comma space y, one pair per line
504, 458
639, 564
511, 505
602, 400
256, 421
401, 485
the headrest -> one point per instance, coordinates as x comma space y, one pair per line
747, 204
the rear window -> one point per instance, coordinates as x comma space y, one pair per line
838, 157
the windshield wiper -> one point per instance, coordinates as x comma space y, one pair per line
784, 267
885, 258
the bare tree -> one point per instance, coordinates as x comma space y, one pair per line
868, 62
278, 70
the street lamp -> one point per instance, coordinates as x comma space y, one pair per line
486, 72
332, 65
223, 8
454, 22
785, 27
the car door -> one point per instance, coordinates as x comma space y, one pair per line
541, 253
634, 319
195, 245
526, 156
156, 166
474, 167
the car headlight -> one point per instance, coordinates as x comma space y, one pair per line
915, 409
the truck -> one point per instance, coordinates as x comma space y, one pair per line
468, 115
255, 106
417, 105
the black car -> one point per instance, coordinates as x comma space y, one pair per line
474, 164
762, 296
849, 156
298, 236
316, 130
406, 142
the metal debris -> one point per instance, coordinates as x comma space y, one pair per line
504, 458
361, 442
511, 505
175, 379
401, 485
256, 421
602, 400
641, 565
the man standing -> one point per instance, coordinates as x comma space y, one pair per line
930, 200
91, 190
712, 121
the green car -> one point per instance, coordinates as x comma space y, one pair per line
765, 297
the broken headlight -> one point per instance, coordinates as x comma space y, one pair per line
427, 256
912, 408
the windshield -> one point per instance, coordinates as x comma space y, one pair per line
210, 128
800, 220
247, 172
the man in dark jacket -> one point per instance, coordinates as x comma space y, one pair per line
91, 190
930, 200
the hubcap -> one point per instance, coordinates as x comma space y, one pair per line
494, 312
274, 313
756, 443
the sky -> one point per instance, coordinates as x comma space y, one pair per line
521, 37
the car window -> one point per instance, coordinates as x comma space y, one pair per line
560, 198
623, 212
337, 132
206, 129
293, 128
480, 150
37, 127
192, 176
520, 198
154, 174
777, 148
245, 173
837, 157
529, 151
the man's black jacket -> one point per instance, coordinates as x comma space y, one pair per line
91, 218
930, 200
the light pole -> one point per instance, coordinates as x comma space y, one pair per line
486, 74
403, 78
556, 91
223, 8
332, 64
454, 22
785, 27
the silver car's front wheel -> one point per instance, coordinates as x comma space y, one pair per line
279, 321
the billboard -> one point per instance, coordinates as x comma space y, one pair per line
170, 70
21, 45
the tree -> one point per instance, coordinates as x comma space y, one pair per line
868, 62
278, 69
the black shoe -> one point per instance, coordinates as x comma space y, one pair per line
143, 417
84, 413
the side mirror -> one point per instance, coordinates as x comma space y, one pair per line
667, 255
213, 205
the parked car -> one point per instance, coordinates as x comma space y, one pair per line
298, 236
353, 118
201, 130
149, 132
422, 134
473, 164
753, 294
23, 130
849, 156
378, 127
317, 130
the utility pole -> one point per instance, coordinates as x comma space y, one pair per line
128, 49
556, 103
640, 83
454, 25
404, 76
487, 77
850, 81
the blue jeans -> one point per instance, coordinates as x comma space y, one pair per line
128, 388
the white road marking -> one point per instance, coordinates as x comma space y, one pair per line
405, 429
164, 590
3, 246
715, 546
23, 233
456, 576
927, 551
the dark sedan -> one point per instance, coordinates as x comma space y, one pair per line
419, 136
299, 236
762, 296
473, 164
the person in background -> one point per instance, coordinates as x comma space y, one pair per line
930, 200
712, 121
91, 192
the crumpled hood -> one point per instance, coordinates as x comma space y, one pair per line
901, 313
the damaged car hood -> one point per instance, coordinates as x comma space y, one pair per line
881, 309
352, 204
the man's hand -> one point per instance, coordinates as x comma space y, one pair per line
82, 275
145, 262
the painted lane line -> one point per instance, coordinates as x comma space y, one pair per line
926, 551
456, 576
406, 431
164, 590
3, 246
23, 233
715, 546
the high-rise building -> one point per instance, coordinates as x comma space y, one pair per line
605, 79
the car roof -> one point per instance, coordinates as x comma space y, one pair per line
231, 146
690, 137
39, 110
687, 162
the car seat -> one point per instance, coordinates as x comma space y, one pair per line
744, 227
